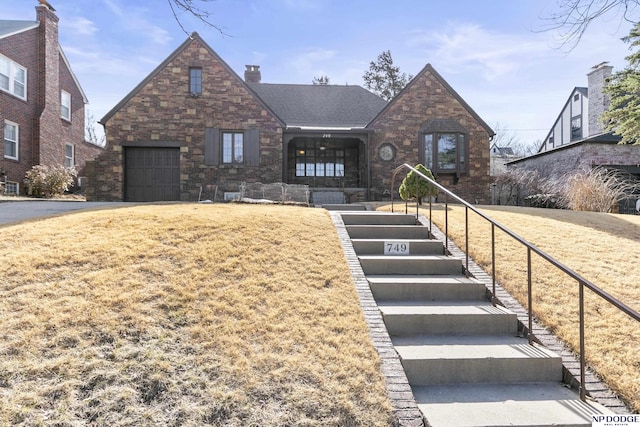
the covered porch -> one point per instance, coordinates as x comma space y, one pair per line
332, 163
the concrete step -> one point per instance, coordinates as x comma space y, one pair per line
411, 264
388, 231
398, 247
438, 360
377, 218
426, 288
447, 318
342, 207
532, 404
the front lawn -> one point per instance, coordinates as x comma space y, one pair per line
184, 315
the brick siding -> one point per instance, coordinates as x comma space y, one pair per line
583, 156
43, 133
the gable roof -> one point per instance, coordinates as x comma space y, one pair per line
73, 75
429, 68
9, 28
193, 37
320, 106
582, 90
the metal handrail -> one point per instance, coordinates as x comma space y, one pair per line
530, 248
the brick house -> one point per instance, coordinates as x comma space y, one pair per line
577, 139
193, 124
41, 101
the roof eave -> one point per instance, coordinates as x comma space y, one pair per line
35, 24
194, 36
450, 89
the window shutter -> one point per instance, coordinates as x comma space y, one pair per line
212, 146
252, 147
421, 158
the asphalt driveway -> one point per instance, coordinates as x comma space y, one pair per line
17, 211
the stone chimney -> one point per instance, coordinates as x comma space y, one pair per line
598, 101
252, 74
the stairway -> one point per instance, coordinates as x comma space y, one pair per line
463, 357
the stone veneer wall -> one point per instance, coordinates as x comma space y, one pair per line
163, 111
425, 99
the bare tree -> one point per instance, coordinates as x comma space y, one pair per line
574, 17
178, 7
321, 80
505, 137
90, 133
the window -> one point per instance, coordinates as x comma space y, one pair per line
65, 105
314, 160
13, 78
576, 128
576, 97
232, 147
69, 155
11, 131
445, 152
195, 81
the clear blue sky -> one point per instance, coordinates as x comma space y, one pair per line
489, 51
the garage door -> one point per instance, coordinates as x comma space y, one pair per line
151, 174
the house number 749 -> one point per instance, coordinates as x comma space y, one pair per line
326, 135
396, 248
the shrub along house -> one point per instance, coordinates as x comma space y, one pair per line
194, 124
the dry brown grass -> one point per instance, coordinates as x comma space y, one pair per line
603, 248
184, 315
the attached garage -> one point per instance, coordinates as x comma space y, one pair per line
151, 174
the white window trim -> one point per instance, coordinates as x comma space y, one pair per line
73, 155
17, 141
62, 104
13, 66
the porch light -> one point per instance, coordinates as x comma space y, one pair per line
301, 152
322, 148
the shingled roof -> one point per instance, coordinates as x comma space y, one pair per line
9, 28
320, 106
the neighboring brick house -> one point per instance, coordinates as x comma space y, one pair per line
193, 125
41, 101
577, 141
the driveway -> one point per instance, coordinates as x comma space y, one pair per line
18, 211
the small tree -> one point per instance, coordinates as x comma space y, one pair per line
45, 181
413, 183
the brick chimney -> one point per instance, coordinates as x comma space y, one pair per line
598, 101
252, 74
48, 81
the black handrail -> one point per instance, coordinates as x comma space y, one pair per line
530, 248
